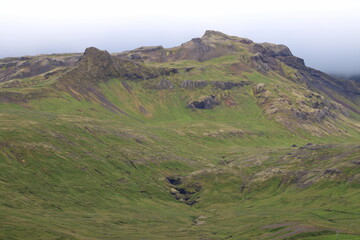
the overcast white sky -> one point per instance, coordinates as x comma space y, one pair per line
325, 33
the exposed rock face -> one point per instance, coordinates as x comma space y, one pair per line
276, 50
301, 109
260, 63
228, 85
263, 61
189, 84
183, 190
204, 103
266, 54
174, 180
98, 65
163, 84
319, 81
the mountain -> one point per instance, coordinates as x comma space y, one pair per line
219, 138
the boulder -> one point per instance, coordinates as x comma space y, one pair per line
204, 103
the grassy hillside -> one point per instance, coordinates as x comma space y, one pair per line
128, 158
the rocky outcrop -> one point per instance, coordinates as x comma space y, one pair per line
183, 189
228, 85
301, 109
260, 63
189, 84
273, 50
263, 61
163, 84
204, 103
25, 67
259, 88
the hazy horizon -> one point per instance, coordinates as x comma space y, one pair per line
324, 33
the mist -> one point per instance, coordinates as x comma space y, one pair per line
325, 34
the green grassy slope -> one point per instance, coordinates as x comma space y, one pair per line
73, 169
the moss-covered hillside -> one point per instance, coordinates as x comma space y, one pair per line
219, 138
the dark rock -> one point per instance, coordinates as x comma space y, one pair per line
260, 63
228, 85
316, 116
174, 71
301, 115
204, 103
163, 84
174, 180
24, 64
200, 45
245, 41
135, 57
183, 190
188, 84
276, 50
294, 145
293, 61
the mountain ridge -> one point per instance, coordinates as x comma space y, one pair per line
81, 76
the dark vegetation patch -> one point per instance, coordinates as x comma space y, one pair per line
311, 234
